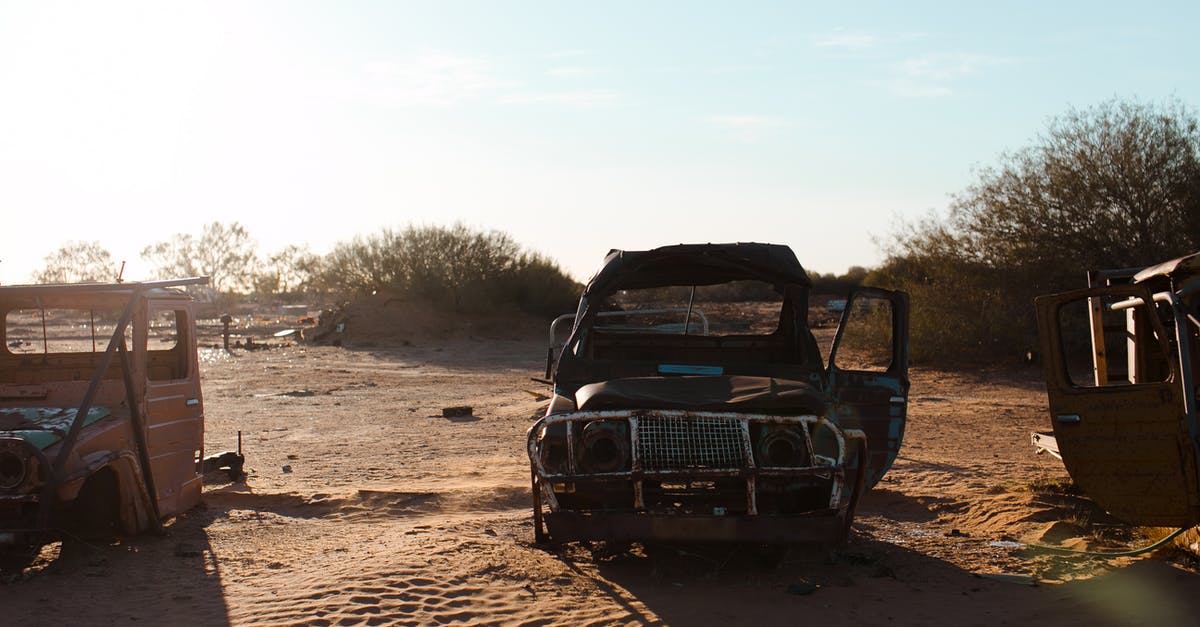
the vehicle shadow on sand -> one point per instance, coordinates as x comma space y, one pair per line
870, 582
139, 580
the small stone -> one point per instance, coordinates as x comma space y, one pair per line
801, 589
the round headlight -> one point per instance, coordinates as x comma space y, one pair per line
14, 466
605, 446
552, 448
782, 447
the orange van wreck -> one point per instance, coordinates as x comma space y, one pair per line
101, 414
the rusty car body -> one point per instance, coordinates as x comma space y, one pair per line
691, 402
1121, 358
101, 414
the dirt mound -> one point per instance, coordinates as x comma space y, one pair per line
382, 320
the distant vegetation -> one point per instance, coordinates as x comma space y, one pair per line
78, 262
838, 285
1116, 185
453, 267
1113, 186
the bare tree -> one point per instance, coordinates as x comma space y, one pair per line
78, 262
224, 252
287, 272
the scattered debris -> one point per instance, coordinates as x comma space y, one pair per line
231, 462
226, 319
458, 411
537, 396
802, 589
1006, 544
1017, 578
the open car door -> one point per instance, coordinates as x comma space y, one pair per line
1121, 401
868, 373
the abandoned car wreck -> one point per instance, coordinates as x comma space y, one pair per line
101, 414
1121, 362
691, 402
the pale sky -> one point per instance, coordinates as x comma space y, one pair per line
575, 127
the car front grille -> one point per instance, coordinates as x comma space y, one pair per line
679, 443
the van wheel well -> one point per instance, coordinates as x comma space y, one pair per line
95, 512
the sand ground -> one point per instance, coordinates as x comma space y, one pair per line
364, 505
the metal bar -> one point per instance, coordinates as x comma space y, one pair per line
570, 448
679, 413
1184, 353
1104, 278
554, 326
635, 464
45, 341
687, 319
1045, 443
1099, 349
539, 534
129, 287
1161, 297
686, 473
860, 480
140, 436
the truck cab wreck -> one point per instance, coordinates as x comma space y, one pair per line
1121, 360
101, 415
691, 403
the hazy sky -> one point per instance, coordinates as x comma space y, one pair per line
574, 126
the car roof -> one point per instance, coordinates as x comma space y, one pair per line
62, 294
698, 264
1176, 268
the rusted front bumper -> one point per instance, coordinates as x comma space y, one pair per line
823, 528
654, 496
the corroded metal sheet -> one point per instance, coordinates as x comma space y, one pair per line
1128, 444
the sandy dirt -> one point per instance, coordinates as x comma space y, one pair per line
364, 505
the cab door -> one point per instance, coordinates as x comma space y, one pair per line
868, 373
174, 406
1119, 401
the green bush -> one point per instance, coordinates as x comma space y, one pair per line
451, 267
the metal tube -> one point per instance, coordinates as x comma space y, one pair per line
118, 288
140, 436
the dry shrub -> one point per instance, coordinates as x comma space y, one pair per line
453, 268
1114, 186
